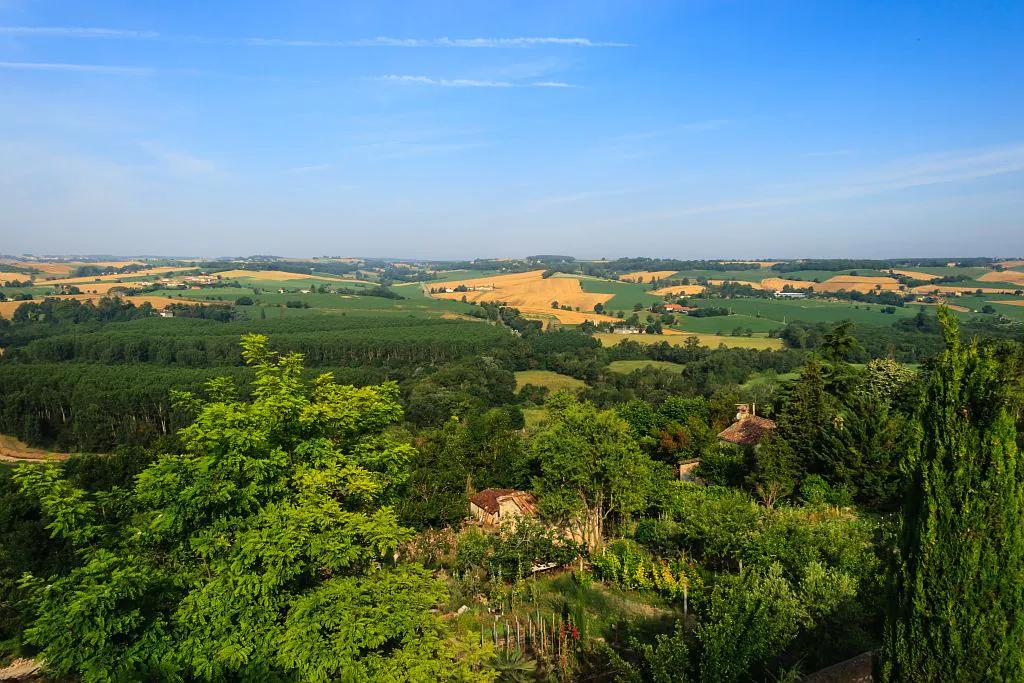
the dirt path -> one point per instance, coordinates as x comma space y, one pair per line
20, 670
12, 450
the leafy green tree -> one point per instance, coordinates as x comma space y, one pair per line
262, 552
957, 612
774, 475
748, 622
591, 468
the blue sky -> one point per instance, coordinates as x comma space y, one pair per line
692, 129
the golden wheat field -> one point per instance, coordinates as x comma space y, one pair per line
857, 283
952, 289
7, 308
685, 290
280, 275
1014, 276
753, 285
64, 269
113, 278
20, 277
777, 284
532, 295
917, 275
1011, 264
678, 338
647, 275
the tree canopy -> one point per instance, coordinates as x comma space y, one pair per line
262, 552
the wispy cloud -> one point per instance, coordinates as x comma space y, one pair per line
420, 149
82, 68
76, 32
310, 169
466, 82
902, 174
713, 124
484, 42
548, 202
832, 153
379, 41
178, 161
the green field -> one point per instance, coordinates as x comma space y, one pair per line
808, 310
546, 378
628, 366
627, 294
725, 324
976, 303
740, 275
709, 340
414, 303
760, 378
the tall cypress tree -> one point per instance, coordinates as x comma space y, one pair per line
957, 612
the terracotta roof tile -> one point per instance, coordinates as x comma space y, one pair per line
747, 432
488, 500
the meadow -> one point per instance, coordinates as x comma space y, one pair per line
808, 310
709, 340
553, 381
628, 366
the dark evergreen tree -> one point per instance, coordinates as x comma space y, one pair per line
957, 613
805, 417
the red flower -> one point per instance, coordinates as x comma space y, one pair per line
575, 633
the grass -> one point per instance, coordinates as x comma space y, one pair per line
546, 378
724, 324
627, 366
627, 294
710, 340
533, 417
809, 310
760, 378
978, 302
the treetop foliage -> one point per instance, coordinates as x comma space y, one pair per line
262, 552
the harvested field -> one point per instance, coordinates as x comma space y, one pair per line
279, 275
20, 277
7, 308
161, 301
1011, 264
57, 270
678, 338
647, 275
763, 264
12, 450
565, 317
531, 294
950, 289
101, 287
685, 290
917, 275
114, 278
777, 284
857, 283
1014, 276
753, 285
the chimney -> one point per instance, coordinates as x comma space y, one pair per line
742, 411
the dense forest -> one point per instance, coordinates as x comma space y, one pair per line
295, 507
